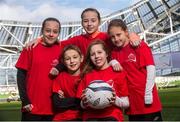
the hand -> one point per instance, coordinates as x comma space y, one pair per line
28, 107
148, 98
116, 65
54, 71
61, 94
134, 39
32, 43
113, 98
84, 101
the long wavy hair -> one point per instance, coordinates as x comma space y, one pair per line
89, 66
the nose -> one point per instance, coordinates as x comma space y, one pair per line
51, 33
115, 38
96, 55
89, 22
71, 60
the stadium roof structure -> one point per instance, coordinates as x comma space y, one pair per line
157, 21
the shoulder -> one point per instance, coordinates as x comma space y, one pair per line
78, 37
143, 44
63, 76
121, 74
104, 34
72, 39
90, 75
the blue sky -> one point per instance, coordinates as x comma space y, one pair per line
65, 10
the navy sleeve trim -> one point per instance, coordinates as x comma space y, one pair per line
21, 82
60, 104
60, 67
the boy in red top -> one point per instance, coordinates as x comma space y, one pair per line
139, 65
34, 84
65, 103
98, 68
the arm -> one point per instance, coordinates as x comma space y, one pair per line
60, 67
56, 70
33, 43
65, 103
150, 80
21, 82
134, 39
116, 65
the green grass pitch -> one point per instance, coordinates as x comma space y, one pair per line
170, 99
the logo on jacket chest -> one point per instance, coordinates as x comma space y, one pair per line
131, 58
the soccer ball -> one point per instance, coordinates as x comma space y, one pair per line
98, 94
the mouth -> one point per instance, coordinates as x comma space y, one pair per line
90, 29
98, 61
49, 38
117, 42
73, 65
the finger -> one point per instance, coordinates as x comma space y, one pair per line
136, 43
27, 109
84, 98
84, 91
109, 100
55, 71
121, 68
131, 43
113, 93
30, 48
30, 109
51, 72
61, 96
117, 69
34, 45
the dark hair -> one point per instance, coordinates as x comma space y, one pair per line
70, 47
93, 10
117, 23
89, 66
50, 19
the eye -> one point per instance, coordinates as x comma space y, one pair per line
92, 54
119, 34
93, 20
47, 30
75, 57
85, 20
66, 58
55, 31
99, 52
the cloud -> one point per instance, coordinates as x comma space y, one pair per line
134, 1
21, 13
67, 10
13, 12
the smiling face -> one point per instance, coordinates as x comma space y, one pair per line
72, 60
50, 32
90, 22
98, 57
118, 36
